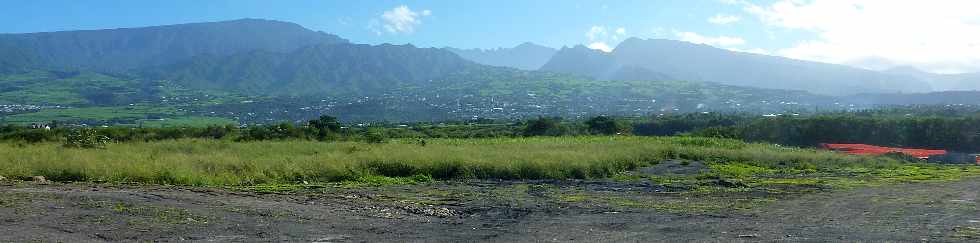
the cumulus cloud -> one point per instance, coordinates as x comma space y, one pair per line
400, 20
714, 41
602, 46
939, 36
723, 19
599, 37
596, 32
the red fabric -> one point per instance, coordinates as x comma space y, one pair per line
866, 149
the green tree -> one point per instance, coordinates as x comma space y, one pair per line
325, 127
544, 126
605, 125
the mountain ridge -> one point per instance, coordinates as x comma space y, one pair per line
326, 69
698, 62
525, 56
121, 49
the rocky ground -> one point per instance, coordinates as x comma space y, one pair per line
576, 211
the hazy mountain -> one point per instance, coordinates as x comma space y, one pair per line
965, 81
325, 69
526, 56
126, 48
694, 62
580, 60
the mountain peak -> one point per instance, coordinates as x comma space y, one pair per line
530, 45
526, 56
660, 58
127, 48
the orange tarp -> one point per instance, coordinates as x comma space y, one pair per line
851, 148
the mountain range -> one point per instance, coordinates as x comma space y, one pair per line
323, 69
128, 48
687, 61
954, 82
526, 56
230, 61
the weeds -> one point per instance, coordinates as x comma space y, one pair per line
223, 163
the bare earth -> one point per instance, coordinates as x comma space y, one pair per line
497, 211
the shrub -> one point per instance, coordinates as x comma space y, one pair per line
85, 138
375, 136
544, 126
31, 136
606, 126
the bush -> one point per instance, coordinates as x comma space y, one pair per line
544, 126
279, 131
375, 136
603, 125
85, 138
31, 136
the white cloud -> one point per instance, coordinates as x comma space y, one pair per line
714, 41
596, 32
759, 51
599, 37
401, 20
602, 46
723, 19
939, 35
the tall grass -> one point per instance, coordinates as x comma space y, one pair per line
213, 162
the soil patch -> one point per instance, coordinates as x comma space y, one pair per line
676, 168
518, 211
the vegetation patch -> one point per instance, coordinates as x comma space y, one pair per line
204, 162
168, 215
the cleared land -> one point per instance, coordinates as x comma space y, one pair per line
484, 211
526, 189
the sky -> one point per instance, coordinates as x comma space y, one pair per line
940, 36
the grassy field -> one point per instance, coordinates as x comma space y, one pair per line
88, 113
225, 163
193, 121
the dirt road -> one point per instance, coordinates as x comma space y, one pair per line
480, 211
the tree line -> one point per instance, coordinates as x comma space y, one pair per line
957, 133
328, 128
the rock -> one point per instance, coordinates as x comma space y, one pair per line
3, 178
39, 180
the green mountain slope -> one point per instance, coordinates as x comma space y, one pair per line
334, 70
688, 61
124, 49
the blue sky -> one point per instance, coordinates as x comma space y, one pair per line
937, 35
467, 24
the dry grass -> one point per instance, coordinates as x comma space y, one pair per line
211, 162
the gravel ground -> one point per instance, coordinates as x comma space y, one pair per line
499, 211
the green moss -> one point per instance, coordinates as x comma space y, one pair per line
167, 215
572, 197
966, 232
373, 180
740, 170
